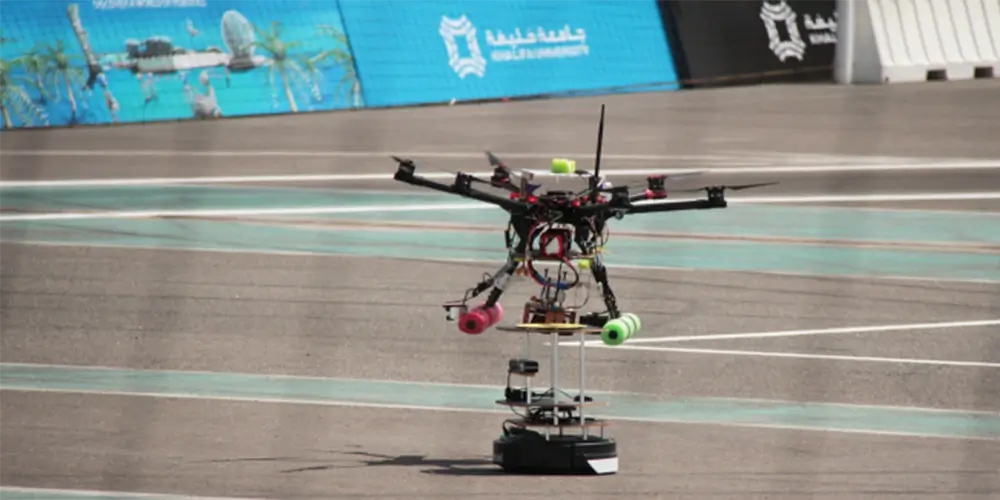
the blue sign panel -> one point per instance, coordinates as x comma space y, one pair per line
410, 52
116, 61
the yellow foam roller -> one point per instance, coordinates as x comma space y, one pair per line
563, 166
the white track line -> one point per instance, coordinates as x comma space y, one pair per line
871, 197
249, 179
462, 155
142, 214
107, 494
457, 155
799, 333
832, 357
321, 210
493, 262
728, 156
390, 406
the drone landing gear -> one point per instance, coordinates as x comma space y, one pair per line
476, 320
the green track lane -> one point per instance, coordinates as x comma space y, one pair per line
727, 256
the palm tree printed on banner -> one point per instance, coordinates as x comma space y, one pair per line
345, 58
288, 69
15, 101
71, 76
39, 73
310, 68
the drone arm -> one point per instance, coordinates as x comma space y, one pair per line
462, 187
675, 206
716, 198
596, 319
500, 281
601, 275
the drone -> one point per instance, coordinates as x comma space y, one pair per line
565, 227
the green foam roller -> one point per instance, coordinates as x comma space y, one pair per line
630, 322
563, 166
615, 332
637, 323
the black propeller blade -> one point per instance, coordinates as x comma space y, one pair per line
748, 186
736, 187
495, 161
502, 175
666, 177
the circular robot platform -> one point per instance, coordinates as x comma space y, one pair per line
525, 451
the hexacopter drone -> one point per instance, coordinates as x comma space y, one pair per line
545, 227
560, 227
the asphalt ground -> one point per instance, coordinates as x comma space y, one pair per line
380, 319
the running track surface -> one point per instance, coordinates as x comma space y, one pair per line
379, 318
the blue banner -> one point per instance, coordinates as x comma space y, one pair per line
410, 52
116, 61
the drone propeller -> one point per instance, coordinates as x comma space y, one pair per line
737, 187
502, 175
665, 177
496, 161
689, 173
402, 161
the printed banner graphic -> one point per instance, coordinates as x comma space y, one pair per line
723, 39
116, 61
411, 52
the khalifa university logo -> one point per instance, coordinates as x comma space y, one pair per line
451, 31
772, 14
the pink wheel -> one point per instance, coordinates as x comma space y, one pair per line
474, 321
495, 313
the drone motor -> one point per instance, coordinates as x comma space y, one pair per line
656, 187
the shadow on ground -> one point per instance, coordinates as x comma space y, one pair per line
357, 459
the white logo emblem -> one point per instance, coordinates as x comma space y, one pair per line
772, 14
451, 30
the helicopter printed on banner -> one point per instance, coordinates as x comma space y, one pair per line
66, 62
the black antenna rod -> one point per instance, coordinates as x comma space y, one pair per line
600, 141
595, 179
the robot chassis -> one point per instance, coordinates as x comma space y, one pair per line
552, 434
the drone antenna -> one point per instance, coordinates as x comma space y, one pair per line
597, 160
600, 141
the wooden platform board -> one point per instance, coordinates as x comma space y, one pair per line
561, 328
550, 404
